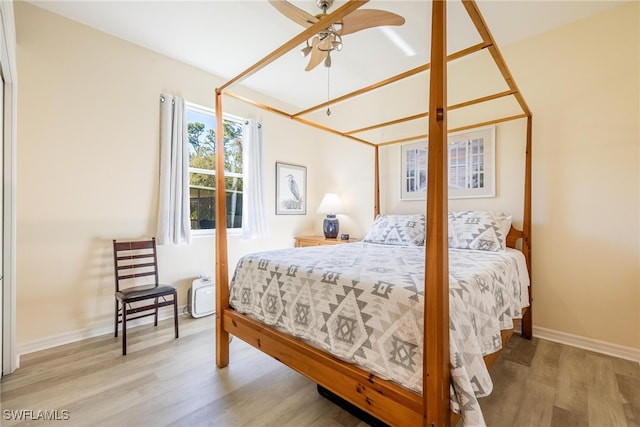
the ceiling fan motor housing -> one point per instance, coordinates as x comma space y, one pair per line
324, 4
329, 39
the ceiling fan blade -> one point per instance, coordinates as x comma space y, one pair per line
367, 18
294, 13
317, 55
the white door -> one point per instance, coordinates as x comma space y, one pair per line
1, 219
8, 106
1, 215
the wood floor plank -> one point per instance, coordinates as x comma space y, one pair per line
521, 351
169, 382
503, 404
602, 378
632, 413
563, 418
605, 410
571, 387
545, 365
629, 388
536, 410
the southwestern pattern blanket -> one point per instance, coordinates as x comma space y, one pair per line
363, 302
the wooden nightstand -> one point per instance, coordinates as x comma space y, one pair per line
302, 241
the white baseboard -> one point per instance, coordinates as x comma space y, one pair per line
602, 347
71, 337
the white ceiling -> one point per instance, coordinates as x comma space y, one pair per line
227, 37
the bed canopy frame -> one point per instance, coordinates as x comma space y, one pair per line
383, 399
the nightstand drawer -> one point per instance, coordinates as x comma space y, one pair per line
302, 241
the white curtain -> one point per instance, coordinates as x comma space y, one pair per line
254, 204
173, 206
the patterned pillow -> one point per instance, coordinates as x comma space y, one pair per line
401, 230
486, 231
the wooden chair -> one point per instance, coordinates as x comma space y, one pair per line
134, 260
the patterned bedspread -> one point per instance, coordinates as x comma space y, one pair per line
363, 302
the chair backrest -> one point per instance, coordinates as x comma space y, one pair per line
133, 260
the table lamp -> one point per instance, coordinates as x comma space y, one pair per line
331, 206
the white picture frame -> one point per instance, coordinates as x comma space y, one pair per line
414, 171
291, 189
471, 166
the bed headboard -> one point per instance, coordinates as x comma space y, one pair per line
513, 237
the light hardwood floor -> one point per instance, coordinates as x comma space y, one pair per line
167, 382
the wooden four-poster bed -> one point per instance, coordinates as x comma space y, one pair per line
386, 400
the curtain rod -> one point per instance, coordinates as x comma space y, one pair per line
163, 99
246, 122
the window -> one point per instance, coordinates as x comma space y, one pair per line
201, 131
470, 162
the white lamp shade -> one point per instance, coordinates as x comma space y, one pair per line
330, 204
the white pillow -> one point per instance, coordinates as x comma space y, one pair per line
486, 231
401, 230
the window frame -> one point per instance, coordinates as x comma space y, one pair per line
210, 111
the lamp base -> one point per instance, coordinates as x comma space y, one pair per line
330, 226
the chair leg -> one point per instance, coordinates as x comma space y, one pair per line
155, 321
124, 329
115, 329
175, 312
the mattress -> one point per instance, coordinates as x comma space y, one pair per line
363, 303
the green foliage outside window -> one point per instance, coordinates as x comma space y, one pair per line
202, 155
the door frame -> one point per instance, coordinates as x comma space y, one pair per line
8, 68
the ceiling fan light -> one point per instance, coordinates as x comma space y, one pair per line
306, 50
336, 42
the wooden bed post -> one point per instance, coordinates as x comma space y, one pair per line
376, 184
483, 30
384, 399
222, 267
527, 321
436, 374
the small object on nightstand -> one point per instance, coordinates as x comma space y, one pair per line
344, 236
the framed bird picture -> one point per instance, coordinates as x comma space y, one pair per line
291, 189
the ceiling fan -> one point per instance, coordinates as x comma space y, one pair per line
330, 39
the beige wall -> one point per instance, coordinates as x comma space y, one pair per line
88, 120
582, 84
87, 172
